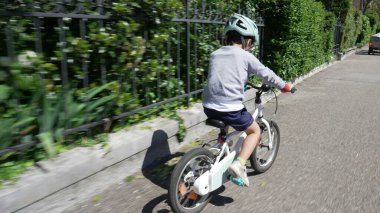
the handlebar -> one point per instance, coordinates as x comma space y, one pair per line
266, 87
263, 87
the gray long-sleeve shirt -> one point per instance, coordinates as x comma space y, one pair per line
228, 73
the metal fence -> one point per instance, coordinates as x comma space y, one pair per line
191, 22
337, 36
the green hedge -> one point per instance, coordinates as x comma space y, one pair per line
351, 28
298, 35
357, 27
365, 32
374, 18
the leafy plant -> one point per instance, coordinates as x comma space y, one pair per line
62, 112
296, 35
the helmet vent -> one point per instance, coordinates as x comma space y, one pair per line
241, 25
232, 20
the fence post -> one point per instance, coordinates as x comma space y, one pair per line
337, 33
260, 25
188, 51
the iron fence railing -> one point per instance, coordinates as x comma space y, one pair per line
337, 36
193, 21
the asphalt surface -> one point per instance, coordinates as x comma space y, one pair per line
328, 159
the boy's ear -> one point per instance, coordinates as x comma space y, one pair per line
250, 42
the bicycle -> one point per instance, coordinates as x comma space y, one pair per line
203, 170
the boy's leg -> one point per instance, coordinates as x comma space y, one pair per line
238, 168
250, 142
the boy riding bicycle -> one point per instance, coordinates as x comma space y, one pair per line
230, 67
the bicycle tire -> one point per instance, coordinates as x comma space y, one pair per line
258, 164
176, 186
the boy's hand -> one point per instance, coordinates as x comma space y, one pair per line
287, 88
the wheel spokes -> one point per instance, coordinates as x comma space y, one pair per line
264, 154
194, 169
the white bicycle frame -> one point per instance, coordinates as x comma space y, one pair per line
218, 175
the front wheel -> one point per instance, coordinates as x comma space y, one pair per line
262, 157
192, 165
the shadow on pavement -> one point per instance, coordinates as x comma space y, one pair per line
149, 207
252, 173
365, 52
220, 200
155, 167
217, 200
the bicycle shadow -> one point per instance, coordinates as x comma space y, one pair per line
149, 207
220, 200
157, 167
216, 200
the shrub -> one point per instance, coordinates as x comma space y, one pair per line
351, 28
366, 31
374, 19
298, 35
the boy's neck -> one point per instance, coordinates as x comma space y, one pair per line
237, 45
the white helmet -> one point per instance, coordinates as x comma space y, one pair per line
243, 25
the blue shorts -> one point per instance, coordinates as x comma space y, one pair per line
239, 120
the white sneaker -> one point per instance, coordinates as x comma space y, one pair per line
237, 170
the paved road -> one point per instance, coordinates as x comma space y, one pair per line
328, 160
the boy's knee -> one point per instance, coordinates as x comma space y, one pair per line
253, 129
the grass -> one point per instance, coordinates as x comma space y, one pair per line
96, 199
131, 178
11, 170
146, 128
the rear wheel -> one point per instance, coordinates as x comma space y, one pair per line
262, 157
191, 166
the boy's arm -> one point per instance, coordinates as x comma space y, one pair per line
255, 67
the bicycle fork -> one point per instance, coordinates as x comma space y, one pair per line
269, 129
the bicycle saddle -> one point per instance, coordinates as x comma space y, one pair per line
215, 123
